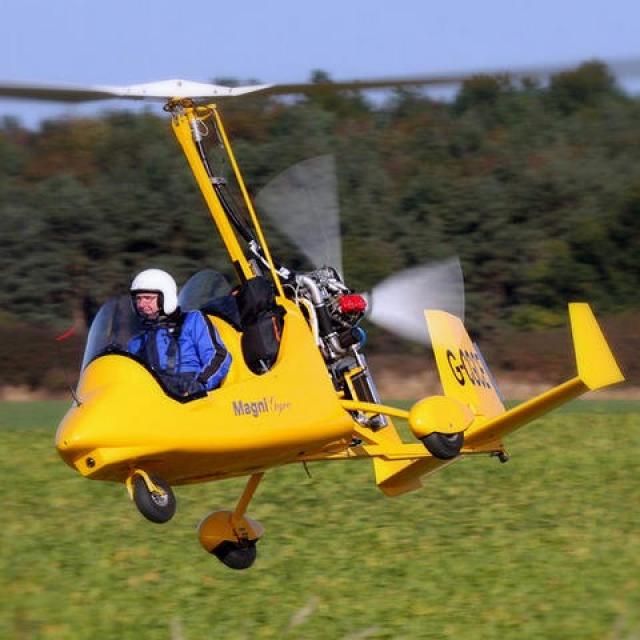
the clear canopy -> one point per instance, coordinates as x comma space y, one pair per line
202, 289
114, 325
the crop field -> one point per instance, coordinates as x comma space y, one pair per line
546, 546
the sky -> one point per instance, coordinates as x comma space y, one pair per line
120, 42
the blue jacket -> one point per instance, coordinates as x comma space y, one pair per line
199, 351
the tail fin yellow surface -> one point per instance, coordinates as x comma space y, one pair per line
597, 367
462, 380
466, 379
463, 372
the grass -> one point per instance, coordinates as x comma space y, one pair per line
547, 546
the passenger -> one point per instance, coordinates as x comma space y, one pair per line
183, 349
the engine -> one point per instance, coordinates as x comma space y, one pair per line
334, 312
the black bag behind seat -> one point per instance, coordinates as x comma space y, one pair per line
262, 322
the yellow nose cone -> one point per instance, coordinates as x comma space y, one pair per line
441, 414
73, 437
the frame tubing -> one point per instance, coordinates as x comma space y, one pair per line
247, 199
181, 124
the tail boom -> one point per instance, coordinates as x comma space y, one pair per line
466, 380
487, 432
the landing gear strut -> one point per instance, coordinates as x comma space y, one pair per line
501, 455
229, 535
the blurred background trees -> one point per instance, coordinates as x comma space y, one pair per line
536, 188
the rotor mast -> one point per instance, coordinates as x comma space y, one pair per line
247, 200
185, 123
187, 120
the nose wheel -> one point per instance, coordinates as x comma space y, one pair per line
153, 497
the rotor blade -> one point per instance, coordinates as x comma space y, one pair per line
163, 90
302, 203
169, 89
376, 83
54, 93
398, 303
626, 66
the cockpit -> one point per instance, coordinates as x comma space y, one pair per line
117, 322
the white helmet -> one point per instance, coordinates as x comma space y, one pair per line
158, 281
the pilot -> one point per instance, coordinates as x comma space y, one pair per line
183, 349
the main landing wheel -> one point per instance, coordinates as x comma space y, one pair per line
154, 506
444, 446
236, 555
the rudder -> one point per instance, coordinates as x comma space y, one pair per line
462, 369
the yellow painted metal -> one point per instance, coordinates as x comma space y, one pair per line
126, 422
246, 496
128, 483
399, 467
396, 476
596, 365
348, 378
183, 122
247, 200
463, 373
370, 407
496, 428
151, 486
385, 451
233, 526
439, 414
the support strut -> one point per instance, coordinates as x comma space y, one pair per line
237, 519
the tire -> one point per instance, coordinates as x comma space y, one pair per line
152, 506
236, 556
444, 446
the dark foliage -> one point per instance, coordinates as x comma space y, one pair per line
536, 188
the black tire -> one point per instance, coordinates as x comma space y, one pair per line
236, 556
444, 446
153, 506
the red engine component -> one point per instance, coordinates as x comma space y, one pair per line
352, 303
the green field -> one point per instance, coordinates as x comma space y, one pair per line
547, 546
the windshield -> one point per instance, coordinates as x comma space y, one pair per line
114, 325
209, 291
202, 289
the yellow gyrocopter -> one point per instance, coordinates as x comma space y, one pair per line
299, 389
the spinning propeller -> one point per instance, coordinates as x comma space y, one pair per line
302, 203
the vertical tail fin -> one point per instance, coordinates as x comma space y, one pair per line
463, 372
597, 366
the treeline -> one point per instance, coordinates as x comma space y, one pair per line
535, 187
